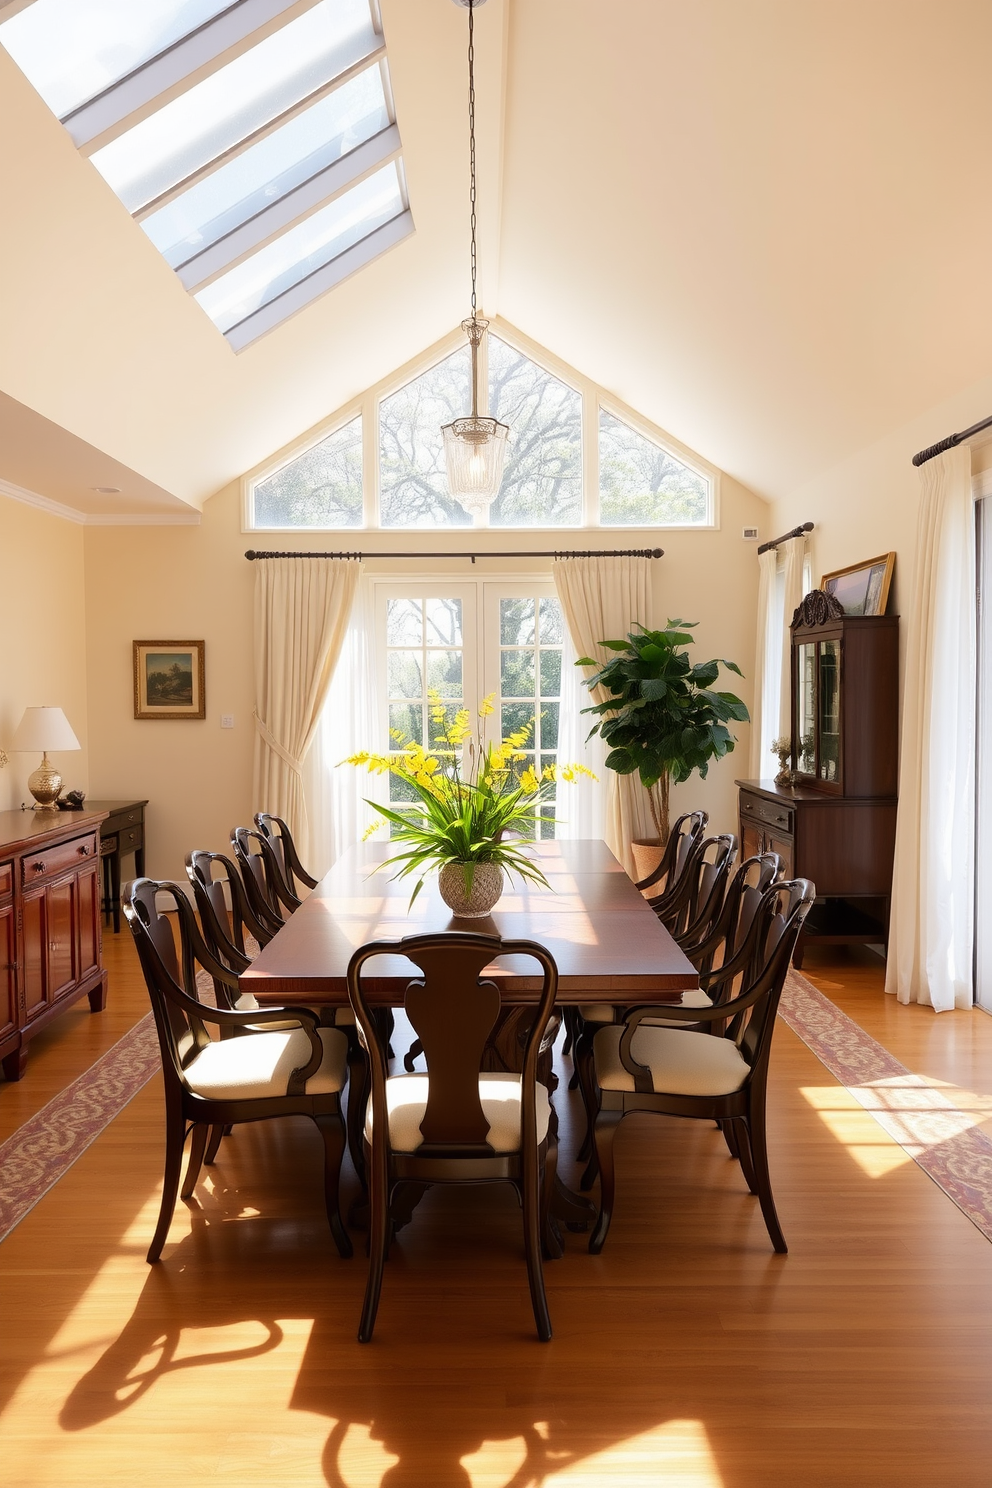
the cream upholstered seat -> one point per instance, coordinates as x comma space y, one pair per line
681, 1062
406, 1101
247, 1068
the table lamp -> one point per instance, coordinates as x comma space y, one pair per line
44, 729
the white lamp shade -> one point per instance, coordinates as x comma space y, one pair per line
43, 729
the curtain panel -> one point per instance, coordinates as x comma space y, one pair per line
602, 599
302, 606
767, 673
931, 934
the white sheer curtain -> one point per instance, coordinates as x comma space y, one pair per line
793, 554
767, 672
780, 588
602, 598
335, 793
932, 924
580, 809
302, 607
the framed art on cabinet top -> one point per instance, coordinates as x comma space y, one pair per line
863, 588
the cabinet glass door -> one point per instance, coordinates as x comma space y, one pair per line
828, 742
806, 708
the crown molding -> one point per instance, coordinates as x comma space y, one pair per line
43, 503
188, 518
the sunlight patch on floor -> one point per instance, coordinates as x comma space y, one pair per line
916, 1112
673, 1455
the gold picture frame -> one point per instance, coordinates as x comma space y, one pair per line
862, 588
169, 679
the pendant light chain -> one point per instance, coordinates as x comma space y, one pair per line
471, 141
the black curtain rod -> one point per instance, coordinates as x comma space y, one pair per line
252, 555
950, 442
796, 532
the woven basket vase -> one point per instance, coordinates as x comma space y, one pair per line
487, 885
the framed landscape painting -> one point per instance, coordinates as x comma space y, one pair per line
862, 589
168, 679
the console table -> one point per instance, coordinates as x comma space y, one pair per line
50, 931
122, 833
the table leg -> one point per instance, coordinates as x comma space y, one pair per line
115, 890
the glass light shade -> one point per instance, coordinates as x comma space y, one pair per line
43, 729
474, 451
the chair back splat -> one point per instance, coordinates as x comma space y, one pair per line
685, 833
264, 887
276, 830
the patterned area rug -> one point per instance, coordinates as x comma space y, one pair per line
47, 1145
940, 1136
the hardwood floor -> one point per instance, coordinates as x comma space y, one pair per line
686, 1354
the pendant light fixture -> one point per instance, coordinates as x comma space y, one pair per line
474, 447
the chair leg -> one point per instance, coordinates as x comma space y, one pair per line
759, 1155
729, 1129
411, 1056
332, 1130
217, 1133
585, 1069
532, 1190
377, 1247
197, 1147
358, 1092
744, 1155
571, 1021
604, 1132
175, 1140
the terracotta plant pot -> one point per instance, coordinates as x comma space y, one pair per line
487, 885
648, 853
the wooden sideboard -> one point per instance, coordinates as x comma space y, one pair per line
843, 844
50, 925
121, 833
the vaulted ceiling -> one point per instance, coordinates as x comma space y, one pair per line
765, 226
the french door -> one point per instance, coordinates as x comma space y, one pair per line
464, 641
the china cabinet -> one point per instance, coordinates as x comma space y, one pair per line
836, 823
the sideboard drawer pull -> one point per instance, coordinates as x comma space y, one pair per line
83, 850
37, 866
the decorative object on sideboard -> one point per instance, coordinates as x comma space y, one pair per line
169, 679
44, 729
783, 748
862, 588
71, 801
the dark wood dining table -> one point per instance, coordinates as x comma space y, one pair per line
608, 944
607, 941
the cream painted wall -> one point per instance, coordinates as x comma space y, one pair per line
869, 503
173, 583
42, 620
193, 582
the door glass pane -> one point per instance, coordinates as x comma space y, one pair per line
806, 695
829, 740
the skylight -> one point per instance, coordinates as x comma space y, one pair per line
254, 142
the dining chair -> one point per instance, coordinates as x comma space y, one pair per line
682, 1072
456, 1123
276, 830
274, 1062
683, 840
270, 899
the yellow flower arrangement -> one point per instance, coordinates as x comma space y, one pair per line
463, 818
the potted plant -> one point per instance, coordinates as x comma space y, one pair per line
662, 717
461, 822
